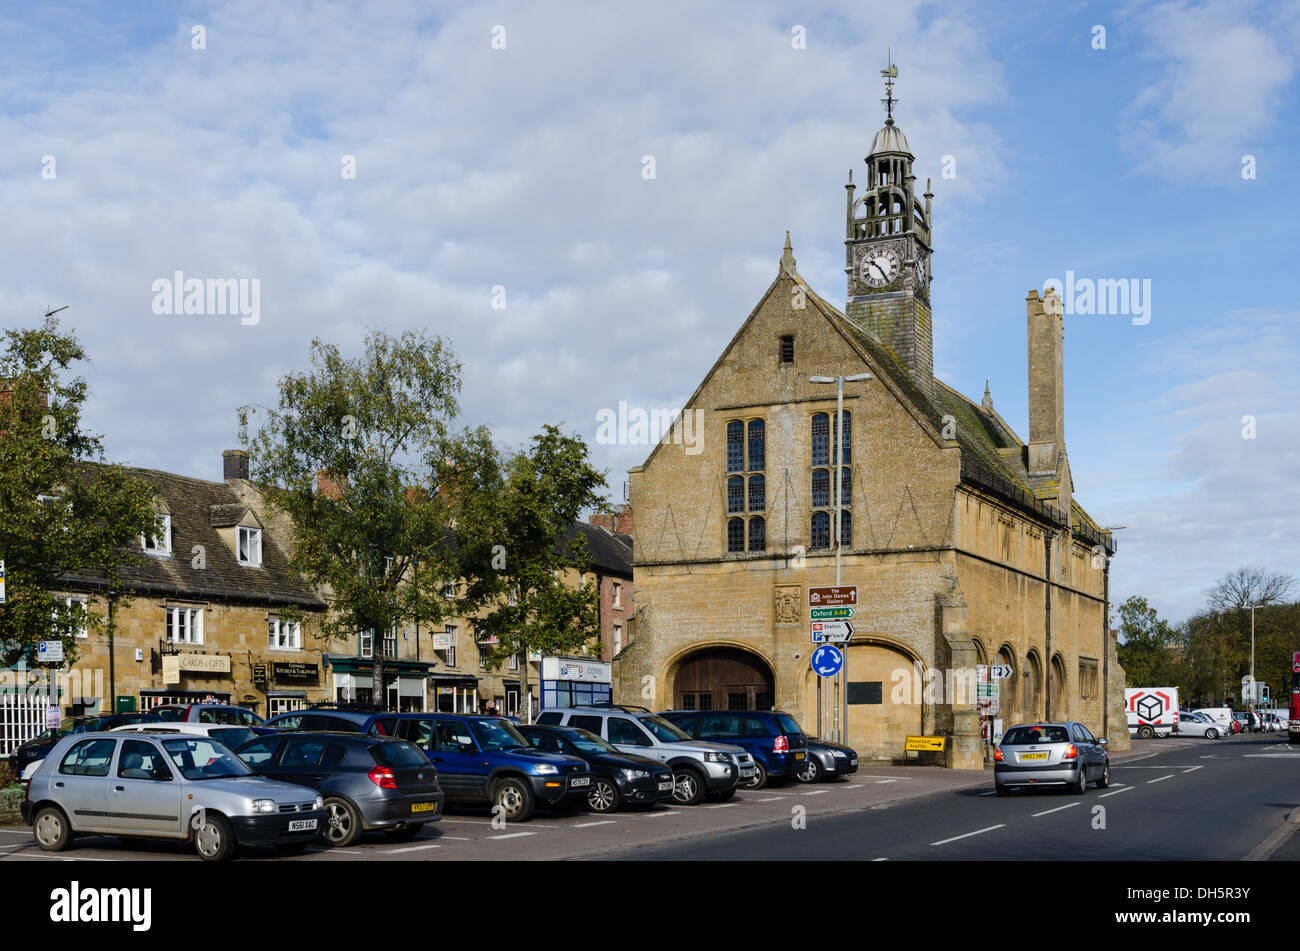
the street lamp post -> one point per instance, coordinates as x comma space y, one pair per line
840, 725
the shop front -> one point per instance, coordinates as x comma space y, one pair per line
190, 677
404, 688
575, 682
454, 693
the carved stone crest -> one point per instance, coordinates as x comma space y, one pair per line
788, 599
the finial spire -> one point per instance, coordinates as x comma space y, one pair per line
987, 402
787, 258
890, 73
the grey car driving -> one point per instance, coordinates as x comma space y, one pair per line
1050, 754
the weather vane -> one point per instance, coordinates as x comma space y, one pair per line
890, 73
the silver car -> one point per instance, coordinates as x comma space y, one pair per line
1198, 724
1050, 754
171, 786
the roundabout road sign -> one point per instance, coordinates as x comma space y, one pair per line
827, 660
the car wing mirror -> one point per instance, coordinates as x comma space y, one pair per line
1103, 741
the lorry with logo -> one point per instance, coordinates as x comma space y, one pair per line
1293, 728
1152, 711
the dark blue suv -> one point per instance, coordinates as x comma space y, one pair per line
773, 738
486, 761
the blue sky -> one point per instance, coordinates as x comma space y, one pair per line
522, 167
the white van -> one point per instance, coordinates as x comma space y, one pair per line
1220, 715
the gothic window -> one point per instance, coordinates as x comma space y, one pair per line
821, 439
757, 488
735, 446
757, 534
821, 530
846, 438
736, 494
756, 453
846, 528
846, 486
787, 349
821, 488
736, 534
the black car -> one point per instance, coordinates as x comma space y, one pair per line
617, 778
368, 782
38, 747
827, 760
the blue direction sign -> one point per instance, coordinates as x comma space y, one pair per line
827, 660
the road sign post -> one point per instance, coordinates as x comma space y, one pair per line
829, 610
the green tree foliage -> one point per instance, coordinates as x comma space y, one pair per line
518, 549
1146, 642
64, 512
379, 428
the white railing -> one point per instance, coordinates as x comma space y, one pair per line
22, 717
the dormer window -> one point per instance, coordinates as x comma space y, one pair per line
160, 543
250, 547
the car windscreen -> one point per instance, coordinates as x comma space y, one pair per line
398, 753
171, 713
664, 731
589, 742
1030, 735
233, 736
788, 724
202, 758
497, 735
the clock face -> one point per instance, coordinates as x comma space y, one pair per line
878, 266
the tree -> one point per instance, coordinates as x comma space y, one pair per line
518, 548
373, 435
1231, 599
1146, 642
65, 514
1240, 589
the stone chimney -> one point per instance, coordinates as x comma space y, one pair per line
234, 464
1046, 381
619, 523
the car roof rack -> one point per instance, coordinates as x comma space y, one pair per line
625, 707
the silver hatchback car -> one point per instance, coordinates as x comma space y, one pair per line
1050, 754
171, 786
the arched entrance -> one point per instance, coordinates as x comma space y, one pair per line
723, 678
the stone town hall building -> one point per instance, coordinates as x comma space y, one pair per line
966, 542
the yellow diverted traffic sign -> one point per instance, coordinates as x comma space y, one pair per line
919, 744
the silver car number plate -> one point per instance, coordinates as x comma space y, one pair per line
581, 781
301, 825
665, 786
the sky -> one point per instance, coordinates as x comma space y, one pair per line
620, 176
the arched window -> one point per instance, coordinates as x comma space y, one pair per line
846, 528
757, 534
821, 530
756, 453
846, 439
821, 488
757, 489
735, 446
821, 439
846, 486
736, 494
735, 534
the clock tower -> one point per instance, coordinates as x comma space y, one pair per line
887, 250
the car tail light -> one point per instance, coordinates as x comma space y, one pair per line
997, 754
1070, 752
383, 777
781, 745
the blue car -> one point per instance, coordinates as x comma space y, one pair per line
484, 760
779, 747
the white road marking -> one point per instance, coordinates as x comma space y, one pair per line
770, 799
882, 781
1160, 779
413, 848
991, 792
1116, 792
1068, 805
816, 792
588, 825
892, 779
880, 860
1190, 768
651, 815
454, 838
511, 835
723, 805
855, 786
1001, 825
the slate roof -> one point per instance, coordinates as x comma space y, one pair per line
992, 455
198, 507
609, 552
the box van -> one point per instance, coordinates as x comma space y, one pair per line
1152, 711
1220, 715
